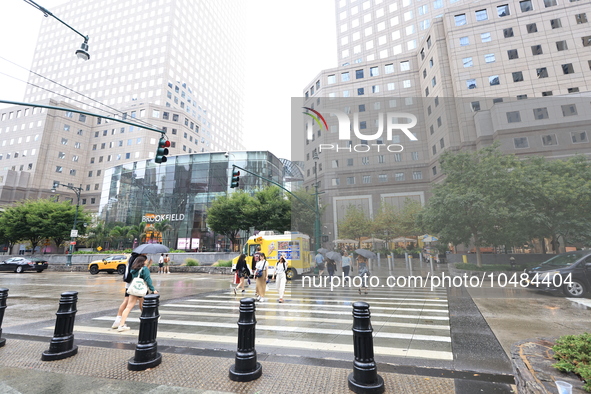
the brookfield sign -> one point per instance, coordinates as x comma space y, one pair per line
174, 217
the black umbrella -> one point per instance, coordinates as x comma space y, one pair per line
322, 250
335, 256
368, 254
151, 248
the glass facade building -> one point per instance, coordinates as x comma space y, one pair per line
179, 192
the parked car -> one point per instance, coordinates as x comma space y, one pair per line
21, 264
111, 264
569, 273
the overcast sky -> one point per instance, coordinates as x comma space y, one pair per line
289, 45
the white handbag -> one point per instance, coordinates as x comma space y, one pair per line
137, 287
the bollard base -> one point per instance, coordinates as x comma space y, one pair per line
245, 376
359, 388
46, 356
142, 366
2, 342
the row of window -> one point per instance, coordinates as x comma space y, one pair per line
577, 137
366, 179
501, 11
16, 155
542, 113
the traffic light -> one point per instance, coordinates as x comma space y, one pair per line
235, 178
162, 150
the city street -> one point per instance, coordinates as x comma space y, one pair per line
452, 329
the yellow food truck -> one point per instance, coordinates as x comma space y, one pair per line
293, 245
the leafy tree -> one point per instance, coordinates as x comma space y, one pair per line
138, 231
479, 202
271, 210
386, 223
120, 234
62, 217
355, 224
303, 216
408, 218
227, 215
162, 227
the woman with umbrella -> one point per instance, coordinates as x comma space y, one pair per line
363, 255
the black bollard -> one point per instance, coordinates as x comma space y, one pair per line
62, 343
365, 378
146, 351
3, 296
246, 367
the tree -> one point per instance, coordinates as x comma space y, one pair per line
271, 210
162, 227
355, 224
385, 223
479, 202
120, 234
227, 215
303, 216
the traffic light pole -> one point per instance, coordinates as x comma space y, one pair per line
316, 209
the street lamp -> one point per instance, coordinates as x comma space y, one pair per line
317, 206
82, 53
74, 232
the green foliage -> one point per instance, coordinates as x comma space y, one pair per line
189, 262
303, 214
273, 210
355, 224
224, 263
228, 215
573, 353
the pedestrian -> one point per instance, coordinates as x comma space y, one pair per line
242, 271
331, 267
127, 279
346, 263
161, 264
363, 272
261, 275
138, 269
280, 270
166, 263
319, 259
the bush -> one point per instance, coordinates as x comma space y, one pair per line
191, 262
573, 353
224, 263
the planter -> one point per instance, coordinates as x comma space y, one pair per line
532, 366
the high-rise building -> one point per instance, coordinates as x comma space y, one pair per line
471, 73
171, 64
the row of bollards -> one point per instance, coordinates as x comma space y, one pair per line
364, 378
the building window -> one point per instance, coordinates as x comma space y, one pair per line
439, 122
581, 18
383, 178
481, 15
518, 76
569, 110
494, 80
586, 42
531, 28
547, 93
549, 140
399, 176
568, 68
434, 170
464, 41
561, 45
345, 77
490, 58
331, 79
508, 32
521, 96
460, 19
513, 117
526, 6
350, 180
475, 105
485, 37
512, 54
441, 143
520, 143
59, 169
414, 156
540, 113
335, 181
573, 90
417, 175
555, 23
389, 68
542, 72
374, 71
536, 50
467, 61
366, 179
549, 3
503, 10
578, 136
359, 74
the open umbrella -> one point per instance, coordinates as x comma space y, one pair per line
151, 248
322, 250
335, 256
368, 254
345, 241
429, 238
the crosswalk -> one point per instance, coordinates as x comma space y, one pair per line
407, 322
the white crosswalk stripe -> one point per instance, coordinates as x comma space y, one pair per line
410, 322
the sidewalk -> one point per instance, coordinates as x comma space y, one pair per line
104, 370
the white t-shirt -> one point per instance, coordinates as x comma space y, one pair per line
261, 265
279, 268
161, 259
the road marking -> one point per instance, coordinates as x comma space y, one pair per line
277, 342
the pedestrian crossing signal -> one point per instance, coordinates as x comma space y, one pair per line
235, 178
162, 150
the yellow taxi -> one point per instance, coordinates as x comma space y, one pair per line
111, 264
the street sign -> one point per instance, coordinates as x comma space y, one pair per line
99, 248
73, 243
73, 233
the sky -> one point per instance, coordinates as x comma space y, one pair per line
288, 44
